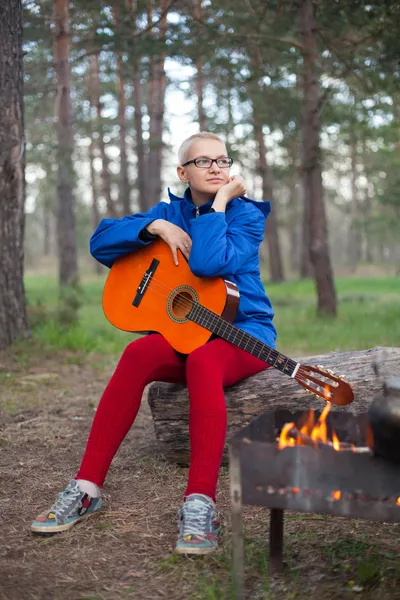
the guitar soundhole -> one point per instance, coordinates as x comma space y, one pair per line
180, 302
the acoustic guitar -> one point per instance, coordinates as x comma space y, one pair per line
145, 291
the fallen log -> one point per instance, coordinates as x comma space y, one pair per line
365, 370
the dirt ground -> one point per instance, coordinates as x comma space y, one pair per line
47, 404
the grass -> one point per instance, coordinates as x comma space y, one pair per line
368, 316
349, 564
325, 557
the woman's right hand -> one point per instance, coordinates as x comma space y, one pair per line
173, 235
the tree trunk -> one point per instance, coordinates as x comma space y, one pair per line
95, 99
311, 165
199, 62
137, 105
355, 241
47, 194
124, 190
272, 233
140, 151
294, 209
66, 236
306, 267
269, 390
13, 320
367, 250
157, 87
95, 196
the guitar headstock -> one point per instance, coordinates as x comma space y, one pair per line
325, 384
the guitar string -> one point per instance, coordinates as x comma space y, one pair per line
184, 303
259, 346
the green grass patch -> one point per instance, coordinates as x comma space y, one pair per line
368, 316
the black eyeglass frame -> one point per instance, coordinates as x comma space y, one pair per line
213, 160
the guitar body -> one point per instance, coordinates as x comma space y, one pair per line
166, 299
146, 291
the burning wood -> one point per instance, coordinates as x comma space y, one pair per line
291, 436
315, 435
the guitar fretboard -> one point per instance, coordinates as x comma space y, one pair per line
213, 322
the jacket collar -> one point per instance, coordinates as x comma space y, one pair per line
264, 207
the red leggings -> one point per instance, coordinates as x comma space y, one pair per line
206, 371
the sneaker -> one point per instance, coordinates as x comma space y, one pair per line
198, 526
72, 506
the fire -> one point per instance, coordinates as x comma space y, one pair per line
284, 439
336, 494
398, 501
311, 433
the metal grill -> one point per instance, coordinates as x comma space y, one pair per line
303, 479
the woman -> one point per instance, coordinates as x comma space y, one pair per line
218, 231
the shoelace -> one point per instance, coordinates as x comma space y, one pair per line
64, 500
195, 518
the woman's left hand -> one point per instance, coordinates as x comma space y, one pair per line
233, 189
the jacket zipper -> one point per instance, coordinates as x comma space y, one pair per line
197, 212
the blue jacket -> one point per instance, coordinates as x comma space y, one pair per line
223, 244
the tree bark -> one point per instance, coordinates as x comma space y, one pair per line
355, 240
269, 390
294, 211
157, 87
272, 233
66, 236
95, 196
311, 165
137, 105
124, 189
95, 99
13, 320
199, 63
264, 169
367, 207
306, 267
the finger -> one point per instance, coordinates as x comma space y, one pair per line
185, 249
175, 254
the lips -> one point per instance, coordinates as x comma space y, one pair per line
215, 179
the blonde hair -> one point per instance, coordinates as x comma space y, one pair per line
186, 144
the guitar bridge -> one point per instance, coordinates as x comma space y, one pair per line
145, 282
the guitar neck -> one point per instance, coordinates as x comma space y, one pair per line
213, 322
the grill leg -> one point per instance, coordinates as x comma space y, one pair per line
237, 526
276, 541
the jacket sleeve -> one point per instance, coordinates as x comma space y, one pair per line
114, 238
221, 250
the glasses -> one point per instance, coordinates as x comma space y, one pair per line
206, 163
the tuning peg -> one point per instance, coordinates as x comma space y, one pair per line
321, 367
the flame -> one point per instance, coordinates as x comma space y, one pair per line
398, 501
284, 439
310, 433
335, 441
336, 494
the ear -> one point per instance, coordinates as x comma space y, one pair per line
182, 174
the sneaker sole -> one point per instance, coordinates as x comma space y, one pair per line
59, 528
195, 551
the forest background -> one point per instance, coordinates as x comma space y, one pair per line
304, 93
95, 98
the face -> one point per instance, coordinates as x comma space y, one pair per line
205, 181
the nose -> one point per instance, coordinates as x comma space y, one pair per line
214, 167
